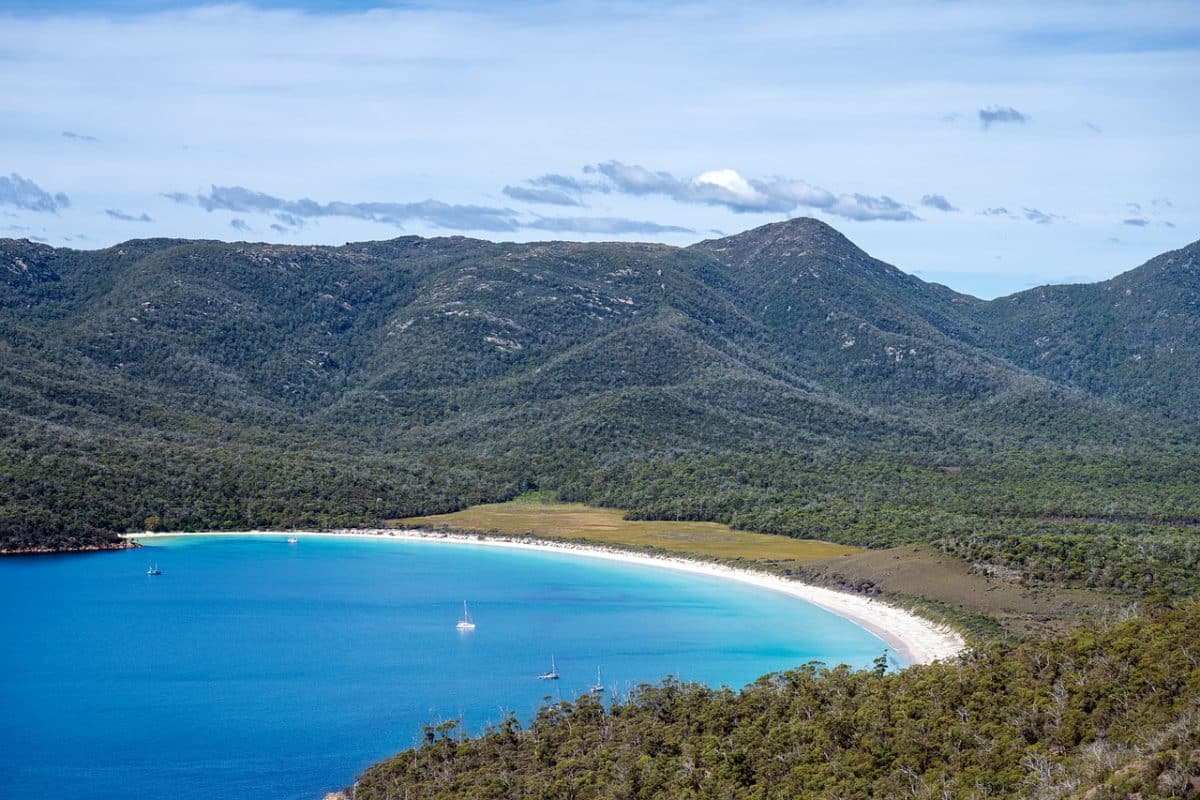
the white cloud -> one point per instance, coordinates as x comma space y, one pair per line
726, 187
727, 183
431, 212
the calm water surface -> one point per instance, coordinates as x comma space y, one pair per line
256, 668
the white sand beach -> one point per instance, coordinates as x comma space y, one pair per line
915, 639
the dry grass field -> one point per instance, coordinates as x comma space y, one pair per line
607, 526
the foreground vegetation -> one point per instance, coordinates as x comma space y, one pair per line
1109, 711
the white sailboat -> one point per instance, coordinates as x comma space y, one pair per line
154, 570
598, 686
466, 623
552, 675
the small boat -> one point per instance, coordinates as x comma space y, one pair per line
292, 540
598, 686
552, 675
154, 570
466, 623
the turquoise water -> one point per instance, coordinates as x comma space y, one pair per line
256, 668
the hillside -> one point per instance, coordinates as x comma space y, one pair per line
780, 380
1135, 338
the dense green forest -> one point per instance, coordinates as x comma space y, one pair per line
780, 380
1110, 711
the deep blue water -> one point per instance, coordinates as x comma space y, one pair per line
255, 668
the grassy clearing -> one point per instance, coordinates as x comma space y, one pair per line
539, 516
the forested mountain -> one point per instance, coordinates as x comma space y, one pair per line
1135, 338
780, 379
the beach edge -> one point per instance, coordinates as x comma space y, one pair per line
917, 639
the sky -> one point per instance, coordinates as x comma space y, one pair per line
989, 147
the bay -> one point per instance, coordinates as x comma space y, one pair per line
255, 667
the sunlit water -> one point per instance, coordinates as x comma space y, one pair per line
257, 668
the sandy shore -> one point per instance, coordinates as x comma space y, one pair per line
915, 639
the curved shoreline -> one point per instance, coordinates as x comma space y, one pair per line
916, 639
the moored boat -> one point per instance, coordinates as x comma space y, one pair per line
552, 675
466, 623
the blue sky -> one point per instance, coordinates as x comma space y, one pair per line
987, 147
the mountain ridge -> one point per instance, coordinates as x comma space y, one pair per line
773, 287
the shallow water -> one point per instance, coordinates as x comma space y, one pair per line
256, 668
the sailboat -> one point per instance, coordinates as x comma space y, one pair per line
598, 686
466, 623
292, 540
552, 675
154, 570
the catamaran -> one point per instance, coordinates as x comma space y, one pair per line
552, 675
154, 570
598, 686
466, 623
292, 540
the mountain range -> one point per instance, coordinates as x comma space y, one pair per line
780, 379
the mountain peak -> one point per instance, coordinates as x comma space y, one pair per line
805, 233
781, 248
